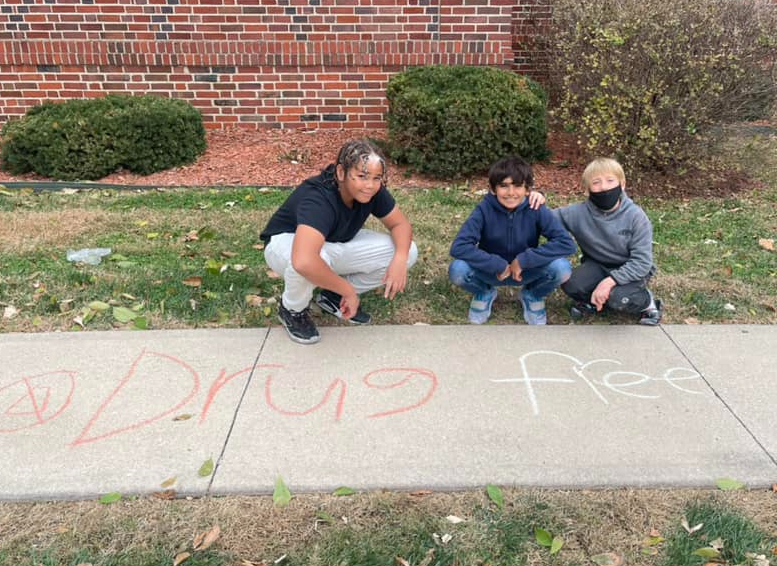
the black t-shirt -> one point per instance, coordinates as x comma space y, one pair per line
317, 203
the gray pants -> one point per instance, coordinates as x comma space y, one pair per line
629, 298
362, 261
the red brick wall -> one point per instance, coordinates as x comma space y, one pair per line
282, 63
530, 21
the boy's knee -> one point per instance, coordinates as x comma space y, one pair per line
560, 270
572, 287
457, 272
628, 300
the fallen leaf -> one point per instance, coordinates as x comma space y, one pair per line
495, 495
421, 492
109, 498
543, 537
649, 551
205, 540
691, 320
272, 275
401, 561
690, 530
428, 558
706, 552
728, 484
253, 300
454, 519
556, 544
341, 491
128, 297
179, 558
766, 243
184, 417
167, 494
281, 495
717, 544
258, 246
193, 304
123, 314
192, 281
206, 469
169, 482
99, 306
10, 312
228, 254
608, 559
152, 235
191, 236
729, 271
774, 487
239, 267
326, 517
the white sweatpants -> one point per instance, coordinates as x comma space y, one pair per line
362, 261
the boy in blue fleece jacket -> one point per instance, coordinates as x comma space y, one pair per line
498, 245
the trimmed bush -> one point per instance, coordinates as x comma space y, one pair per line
645, 80
454, 121
88, 139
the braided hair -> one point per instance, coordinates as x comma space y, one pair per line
357, 153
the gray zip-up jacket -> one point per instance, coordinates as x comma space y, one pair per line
621, 240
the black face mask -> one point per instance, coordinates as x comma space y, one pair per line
605, 200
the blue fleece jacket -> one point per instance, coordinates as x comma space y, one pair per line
493, 236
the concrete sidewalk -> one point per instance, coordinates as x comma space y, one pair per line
410, 407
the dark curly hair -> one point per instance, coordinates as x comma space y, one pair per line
356, 153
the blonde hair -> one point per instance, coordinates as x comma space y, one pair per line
600, 166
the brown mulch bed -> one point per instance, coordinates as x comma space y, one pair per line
286, 157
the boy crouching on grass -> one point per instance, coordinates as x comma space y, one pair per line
616, 239
316, 239
498, 245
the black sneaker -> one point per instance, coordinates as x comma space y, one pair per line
329, 301
580, 310
299, 325
651, 317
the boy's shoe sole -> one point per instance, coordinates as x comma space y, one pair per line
654, 316
325, 304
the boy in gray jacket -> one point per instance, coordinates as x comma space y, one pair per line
616, 239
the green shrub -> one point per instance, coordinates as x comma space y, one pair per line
453, 121
644, 80
88, 139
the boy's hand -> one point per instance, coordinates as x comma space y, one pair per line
536, 200
395, 278
515, 268
349, 305
505, 274
602, 292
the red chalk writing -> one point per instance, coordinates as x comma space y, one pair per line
35, 400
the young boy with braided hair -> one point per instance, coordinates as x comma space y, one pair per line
316, 239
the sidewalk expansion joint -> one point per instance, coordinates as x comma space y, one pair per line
237, 411
723, 401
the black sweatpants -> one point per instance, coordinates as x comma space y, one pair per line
630, 298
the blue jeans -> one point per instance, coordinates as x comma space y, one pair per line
538, 282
